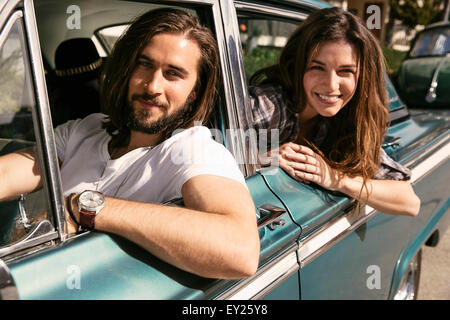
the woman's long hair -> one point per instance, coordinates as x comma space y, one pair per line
356, 132
123, 59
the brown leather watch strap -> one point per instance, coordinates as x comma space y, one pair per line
87, 219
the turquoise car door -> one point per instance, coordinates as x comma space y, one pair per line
346, 256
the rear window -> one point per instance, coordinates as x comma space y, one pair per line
433, 42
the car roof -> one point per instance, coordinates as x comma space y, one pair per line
438, 24
100, 13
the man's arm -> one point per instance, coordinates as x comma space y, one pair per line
215, 236
19, 173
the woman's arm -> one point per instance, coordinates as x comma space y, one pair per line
388, 196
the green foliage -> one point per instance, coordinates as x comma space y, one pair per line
260, 58
11, 80
411, 14
394, 59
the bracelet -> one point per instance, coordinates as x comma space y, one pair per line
69, 209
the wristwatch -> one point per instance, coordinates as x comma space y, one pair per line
89, 205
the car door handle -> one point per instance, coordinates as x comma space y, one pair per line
270, 216
390, 141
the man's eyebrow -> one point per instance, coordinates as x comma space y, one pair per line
343, 66
179, 69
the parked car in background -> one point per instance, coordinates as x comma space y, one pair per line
312, 246
423, 79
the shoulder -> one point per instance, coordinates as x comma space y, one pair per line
194, 151
69, 135
267, 105
197, 143
266, 95
91, 122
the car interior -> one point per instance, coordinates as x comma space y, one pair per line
73, 55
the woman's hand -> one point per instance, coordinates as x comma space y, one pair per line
388, 196
304, 165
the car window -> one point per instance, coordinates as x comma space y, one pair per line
109, 35
433, 42
262, 38
103, 25
18, 218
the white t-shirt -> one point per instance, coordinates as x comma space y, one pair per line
149, 174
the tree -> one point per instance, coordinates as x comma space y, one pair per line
415, 12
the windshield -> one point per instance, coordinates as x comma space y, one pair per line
434, 42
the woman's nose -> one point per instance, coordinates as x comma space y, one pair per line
332, 81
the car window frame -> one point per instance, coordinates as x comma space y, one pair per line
23, 12
212, 7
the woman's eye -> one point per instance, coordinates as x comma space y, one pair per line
348, 71
316, 68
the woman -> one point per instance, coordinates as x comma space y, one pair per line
327, 97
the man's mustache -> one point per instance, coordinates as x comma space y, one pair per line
149, 99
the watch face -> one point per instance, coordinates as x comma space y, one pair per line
92, 200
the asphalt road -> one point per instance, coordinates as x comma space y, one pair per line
435, 274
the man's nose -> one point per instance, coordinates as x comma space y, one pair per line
153, 85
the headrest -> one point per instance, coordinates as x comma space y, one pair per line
77, 59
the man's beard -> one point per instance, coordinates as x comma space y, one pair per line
165, 125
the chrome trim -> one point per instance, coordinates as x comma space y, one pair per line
35, 236
260, 8
238, 77
45, 138
431, 94
9, 24
8, 289
178, 2
234, 82
6, 7
439, 154
270, 216
266, 278
409, 282
325, 237
328, 235
2, 5
39, 236
304, 4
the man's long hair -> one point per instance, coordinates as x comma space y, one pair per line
123, 60
356, 132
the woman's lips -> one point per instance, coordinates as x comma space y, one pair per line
329, 99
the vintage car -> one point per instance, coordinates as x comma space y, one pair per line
423, 79
312, 246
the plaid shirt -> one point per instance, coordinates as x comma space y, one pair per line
269, 112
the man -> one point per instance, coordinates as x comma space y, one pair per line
161, 76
